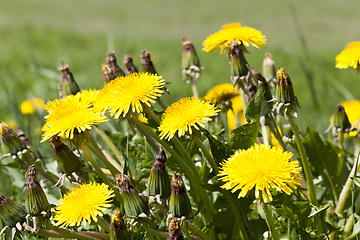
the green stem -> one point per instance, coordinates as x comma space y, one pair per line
101, 173
265, 133
350, 222
161, 103
154, 232
54, 234
111, 145
104, 224
307, 170
97, 151
270, 221
207, 155
195, 88
50, 178
68, 233
149, 139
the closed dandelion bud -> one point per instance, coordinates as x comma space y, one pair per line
146, 63
159, 181
238, 64
129, 65
107, 73
35, 198
174, 230
11, 212
341, 120
179, 204
269, 71
286, 100
68, 85
66, 160
190, 62
16, 146
118, 230
134, 204
115, 69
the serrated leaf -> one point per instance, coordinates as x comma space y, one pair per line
253, 111
324, 157
219, 150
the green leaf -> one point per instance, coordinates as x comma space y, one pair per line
219, 150
356, 229
245, 136
324, 157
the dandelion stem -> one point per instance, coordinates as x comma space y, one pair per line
208, 157
101, 173
110, 143
197, 231
154, 232
104, 224
54, 234
195, 88
307, 170
68, 233
270, 221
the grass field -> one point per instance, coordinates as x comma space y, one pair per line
36, 35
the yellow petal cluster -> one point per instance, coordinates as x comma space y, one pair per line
72, 114
349, 57
260, 167
234, 32
129, 93
184, 114
221, 93
84, 202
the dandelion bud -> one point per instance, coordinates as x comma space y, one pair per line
174, 230
190, 62
68, 85
115, 69
159, 181
35, 198
129, 65
11, 212
179, 204
285, 97
238, 63
66, 160
13, 142
107, 73
146, 63
269, 71
134, 205
118, 230
341, 120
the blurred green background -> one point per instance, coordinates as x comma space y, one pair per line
35, 35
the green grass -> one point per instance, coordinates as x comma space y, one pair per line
37, 35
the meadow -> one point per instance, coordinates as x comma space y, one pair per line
304, 38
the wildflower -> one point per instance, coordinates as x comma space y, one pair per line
68, 85
238, 64
134, 204
262, 167
12, 140
35, 200
352, 110
221, 95
185, 114
84, 202
179, 204
128, 94
159, 182
71, 115
118, 230
349, 57
234, 32
190, 62
29, 106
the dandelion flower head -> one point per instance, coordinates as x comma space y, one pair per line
84, 202
260, 167
129, 93
221, 93
72, 114
184, 114
349, 57
234, 32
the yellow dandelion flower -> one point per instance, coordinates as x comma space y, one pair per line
221, 93
27, 107
129, 93
72, 114
184, 114
352, 110
262, 167
349, 57
234, 32
84, 202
